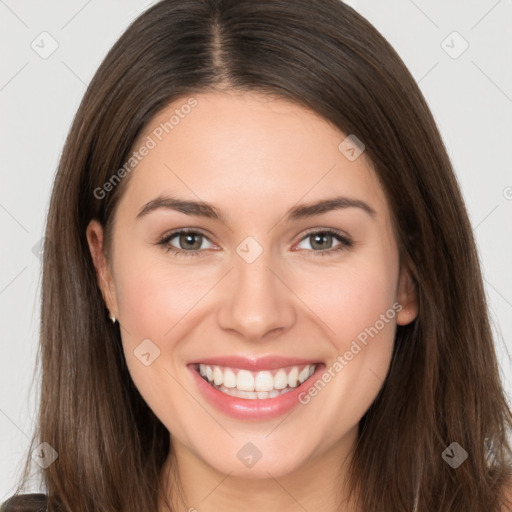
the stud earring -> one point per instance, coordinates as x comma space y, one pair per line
113, 318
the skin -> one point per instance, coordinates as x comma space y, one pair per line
254, 157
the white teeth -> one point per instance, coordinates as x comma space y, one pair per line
303, 375
217, 375
245, 381
292, 377
280, 379
229, 379
252, 395
262, 385
264, 381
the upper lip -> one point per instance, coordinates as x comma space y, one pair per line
271, 362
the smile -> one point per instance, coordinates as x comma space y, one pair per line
255, 385
248, 388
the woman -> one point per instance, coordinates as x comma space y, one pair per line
324, 342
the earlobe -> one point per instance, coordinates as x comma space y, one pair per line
407, 296
94, 234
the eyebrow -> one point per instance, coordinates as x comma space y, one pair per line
207, 210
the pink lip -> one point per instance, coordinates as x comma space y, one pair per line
259, 409
256, 364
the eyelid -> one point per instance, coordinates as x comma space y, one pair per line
344, 239
338, 232
164, 239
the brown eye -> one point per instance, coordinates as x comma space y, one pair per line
189, 243
192, 241
321, 242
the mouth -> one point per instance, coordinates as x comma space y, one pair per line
255, 385
249, 389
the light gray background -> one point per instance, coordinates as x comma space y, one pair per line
470, 96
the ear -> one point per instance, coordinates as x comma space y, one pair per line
94, 235
407, 296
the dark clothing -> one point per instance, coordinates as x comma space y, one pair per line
25, 503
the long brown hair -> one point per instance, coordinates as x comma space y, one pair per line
443, 384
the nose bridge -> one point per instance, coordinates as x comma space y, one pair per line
257, 301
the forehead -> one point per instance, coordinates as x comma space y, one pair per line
225, 147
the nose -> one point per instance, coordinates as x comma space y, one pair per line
257, 302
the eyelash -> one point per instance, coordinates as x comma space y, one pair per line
345, 242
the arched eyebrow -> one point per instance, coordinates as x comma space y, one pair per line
208, 210
326, 205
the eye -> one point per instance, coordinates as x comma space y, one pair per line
189, 242
323, 240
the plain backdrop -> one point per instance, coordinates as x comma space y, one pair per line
459, 51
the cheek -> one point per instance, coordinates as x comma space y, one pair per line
350, 299
154, 299
357, 307
154, 296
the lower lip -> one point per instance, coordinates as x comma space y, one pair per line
257, 409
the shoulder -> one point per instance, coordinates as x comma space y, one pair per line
24, 503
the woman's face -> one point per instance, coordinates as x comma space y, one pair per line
248, 298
